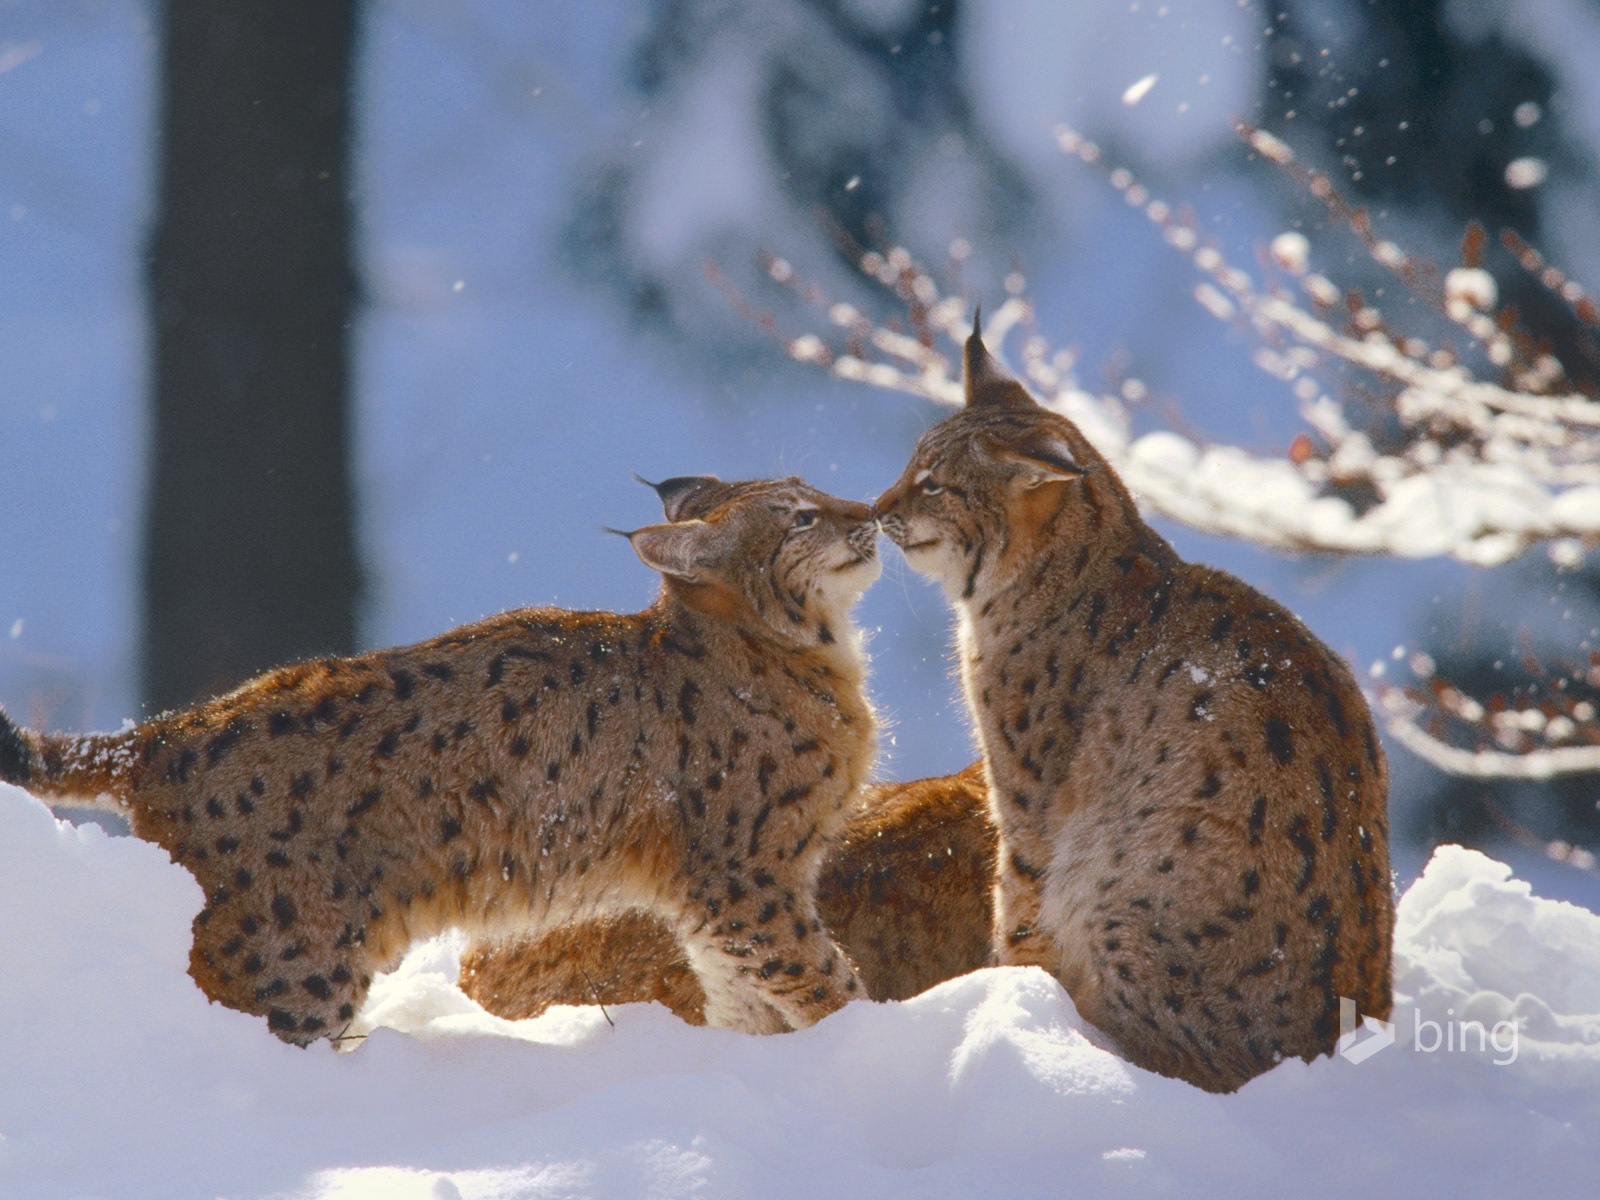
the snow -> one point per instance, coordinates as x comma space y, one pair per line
1292, 252
1472, 287
122, 1080
1139, 89
1526, 172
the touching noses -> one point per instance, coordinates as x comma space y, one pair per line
885, 510
862, 533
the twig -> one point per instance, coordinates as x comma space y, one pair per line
595, 992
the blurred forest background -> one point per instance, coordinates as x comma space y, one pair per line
334, 323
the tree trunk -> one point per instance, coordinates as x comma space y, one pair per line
250, 556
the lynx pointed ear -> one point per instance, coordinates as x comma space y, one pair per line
988, 385
683, 549
678, 491
1041, 456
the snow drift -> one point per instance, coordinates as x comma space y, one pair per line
119, 1078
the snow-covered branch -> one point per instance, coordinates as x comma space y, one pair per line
1543, 729
1487, 463
1508, 736
1522, 743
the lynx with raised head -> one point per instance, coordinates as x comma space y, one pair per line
694, 760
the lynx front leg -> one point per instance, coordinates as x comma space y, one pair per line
1033, 929
767, 964
1020, 937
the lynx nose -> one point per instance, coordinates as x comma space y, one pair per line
883, 508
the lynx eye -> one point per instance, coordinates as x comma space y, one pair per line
928, 486
804, 518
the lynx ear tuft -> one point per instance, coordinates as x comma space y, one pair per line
677, 492
988, 385
683, 549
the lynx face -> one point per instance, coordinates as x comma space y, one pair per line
986, 489
780, 551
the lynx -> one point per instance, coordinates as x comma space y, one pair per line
905, 891
694, 759
1190, 798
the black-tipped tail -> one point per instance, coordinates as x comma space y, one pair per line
16, 756
89, 769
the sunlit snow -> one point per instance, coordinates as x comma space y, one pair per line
122, 1080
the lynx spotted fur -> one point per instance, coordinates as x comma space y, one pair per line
905, 891
1190, 797
694, 760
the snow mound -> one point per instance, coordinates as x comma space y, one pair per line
120, 1079
1479, 946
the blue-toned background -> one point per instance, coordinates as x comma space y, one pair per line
539, 188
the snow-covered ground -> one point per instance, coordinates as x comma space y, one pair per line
121, 1080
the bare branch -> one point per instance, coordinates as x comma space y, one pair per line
1488, 464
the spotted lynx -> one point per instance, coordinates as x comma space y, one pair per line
541, 766
1190, 797
905, 891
